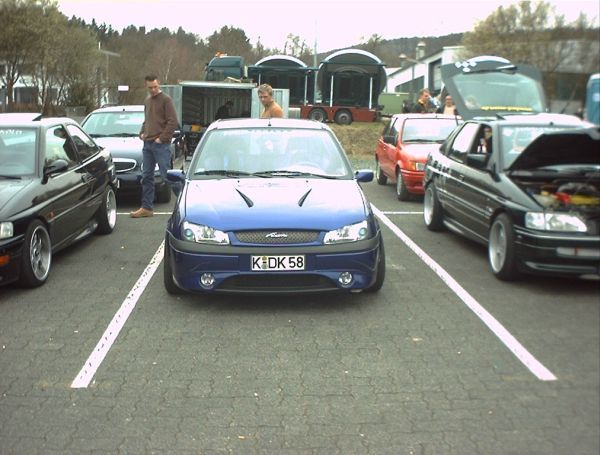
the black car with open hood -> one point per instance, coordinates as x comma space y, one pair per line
523, 182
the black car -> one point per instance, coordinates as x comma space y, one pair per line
523, 182
117, 128
56, 187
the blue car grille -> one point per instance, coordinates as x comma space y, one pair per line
277, 237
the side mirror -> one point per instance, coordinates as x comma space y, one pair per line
389, 139
54, 167
364, 175
477, 160
176, 175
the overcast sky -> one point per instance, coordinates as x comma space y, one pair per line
333, 23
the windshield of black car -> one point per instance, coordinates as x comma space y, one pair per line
270, 152
17, 151
114, 124
496, 91
514, 139
427, 129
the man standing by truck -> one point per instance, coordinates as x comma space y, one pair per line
157, 131
272, 109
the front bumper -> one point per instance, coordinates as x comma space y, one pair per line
10, 258
413, 180
557, 254
232, 273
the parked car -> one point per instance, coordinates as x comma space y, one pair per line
117, 128
403, 147
56, 187
529, 189
272, 206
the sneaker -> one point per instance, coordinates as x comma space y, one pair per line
141, 213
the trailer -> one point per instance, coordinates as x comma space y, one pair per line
197, 102
350, 82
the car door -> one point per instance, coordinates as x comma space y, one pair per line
94, 169
453, 172
387, 149
68, 189
470, 187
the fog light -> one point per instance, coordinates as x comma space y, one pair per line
207, 280
345, 279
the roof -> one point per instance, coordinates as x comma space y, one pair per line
122, 108
264, 123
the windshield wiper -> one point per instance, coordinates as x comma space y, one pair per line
286, 173
420, 141
10, 177
121, 135
227, 173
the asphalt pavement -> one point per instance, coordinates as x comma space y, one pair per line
445, 359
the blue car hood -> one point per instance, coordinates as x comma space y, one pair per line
293, 203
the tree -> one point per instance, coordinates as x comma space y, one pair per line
532, 32
231, 41
20, 34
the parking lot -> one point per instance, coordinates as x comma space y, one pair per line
445, 359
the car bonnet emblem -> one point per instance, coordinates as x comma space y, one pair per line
276, 235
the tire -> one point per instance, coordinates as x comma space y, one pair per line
163, 193
107, 212
378, 284
401, 190
318, 115
343, 117
379, 175
169, 283
433, 213
36, 259
501, 249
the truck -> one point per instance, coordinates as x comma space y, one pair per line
196, 104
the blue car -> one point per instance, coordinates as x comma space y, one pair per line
272, 206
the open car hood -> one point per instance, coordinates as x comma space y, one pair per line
572, 146
489, 86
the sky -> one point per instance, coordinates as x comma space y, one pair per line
333, 24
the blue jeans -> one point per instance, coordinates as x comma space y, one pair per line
153, 154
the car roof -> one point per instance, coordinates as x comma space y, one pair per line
545, 118
34, 120
237, 123
416, 115
121, 108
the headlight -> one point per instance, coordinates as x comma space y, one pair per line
7, 230
560, 222
350, 233
203, 234
416, 166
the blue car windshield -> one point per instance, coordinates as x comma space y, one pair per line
17, 151
270, 152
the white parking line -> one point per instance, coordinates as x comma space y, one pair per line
91, 365
539, 370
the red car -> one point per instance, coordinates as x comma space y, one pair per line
403, 147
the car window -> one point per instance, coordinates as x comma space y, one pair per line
118, 123
427, 129
58, 146
17, 151
514, 139
85, 146
263, 150
463, 142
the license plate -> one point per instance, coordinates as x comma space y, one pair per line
276, 263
